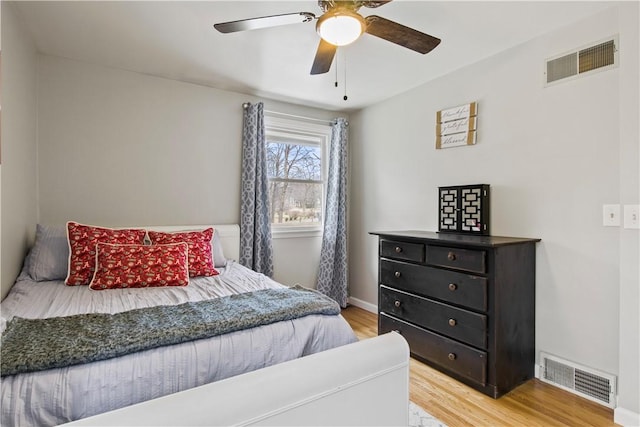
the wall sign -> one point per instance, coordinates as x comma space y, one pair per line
457, 126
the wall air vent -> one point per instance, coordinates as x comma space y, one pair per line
596, 57
560, 68
589, 383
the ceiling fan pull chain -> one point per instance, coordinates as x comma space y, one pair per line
336, 83
345, 76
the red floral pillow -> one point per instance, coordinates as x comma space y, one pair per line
140, 266
200, 256
82, 248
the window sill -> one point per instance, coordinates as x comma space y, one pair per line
295, 233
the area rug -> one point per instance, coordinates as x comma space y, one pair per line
418, 417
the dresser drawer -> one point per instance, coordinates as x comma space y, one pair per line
460, 259
451, 355
457, 288
457, 323
402, 250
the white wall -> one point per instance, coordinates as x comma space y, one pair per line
1, 293
19, 97
122, 148
296, 259
628, 412
552, 157
119, 148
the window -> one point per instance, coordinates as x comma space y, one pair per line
296, 169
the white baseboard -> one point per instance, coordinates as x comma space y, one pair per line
625, 417
363, 305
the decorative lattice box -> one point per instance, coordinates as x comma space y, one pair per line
464, 209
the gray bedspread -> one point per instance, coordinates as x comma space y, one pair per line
30, 345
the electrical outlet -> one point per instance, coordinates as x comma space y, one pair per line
631, 216
611, 215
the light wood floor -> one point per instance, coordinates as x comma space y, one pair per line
532, 404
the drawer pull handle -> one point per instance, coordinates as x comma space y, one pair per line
451, 256
398, 249
452, 322
453, 286
398, 274
397, 303
452, 356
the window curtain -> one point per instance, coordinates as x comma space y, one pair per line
256, 252
332, 274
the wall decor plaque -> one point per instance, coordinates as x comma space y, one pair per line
457, 126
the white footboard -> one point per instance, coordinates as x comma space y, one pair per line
365, 383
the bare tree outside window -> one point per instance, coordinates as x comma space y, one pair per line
295, 183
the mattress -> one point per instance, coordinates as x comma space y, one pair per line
60, 395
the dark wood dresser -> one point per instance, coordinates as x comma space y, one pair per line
465, 304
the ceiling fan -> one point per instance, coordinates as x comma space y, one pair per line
339, 25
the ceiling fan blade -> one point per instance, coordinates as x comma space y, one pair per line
264, 22
401, 35
324, 57
375, 3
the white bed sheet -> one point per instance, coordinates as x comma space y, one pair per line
60, 395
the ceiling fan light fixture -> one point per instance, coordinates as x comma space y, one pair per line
341, 27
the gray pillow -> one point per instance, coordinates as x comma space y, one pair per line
49, 256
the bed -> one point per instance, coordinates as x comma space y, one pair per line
62, 394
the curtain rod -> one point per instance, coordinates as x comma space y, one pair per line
293, 116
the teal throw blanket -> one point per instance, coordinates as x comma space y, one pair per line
30, 345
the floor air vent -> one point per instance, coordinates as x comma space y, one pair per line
586, 382
595, 57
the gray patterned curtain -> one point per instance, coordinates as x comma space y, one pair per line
332, 274
255, 225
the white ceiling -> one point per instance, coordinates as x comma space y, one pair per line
176, 39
